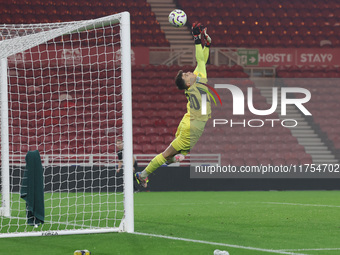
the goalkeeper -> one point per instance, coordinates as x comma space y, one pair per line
193, 123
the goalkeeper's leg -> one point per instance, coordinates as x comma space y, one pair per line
180, 144
156, 162
176, 159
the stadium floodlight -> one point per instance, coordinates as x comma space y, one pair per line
66, 92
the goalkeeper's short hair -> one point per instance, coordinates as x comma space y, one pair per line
179, 80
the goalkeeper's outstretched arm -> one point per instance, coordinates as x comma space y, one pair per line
202, 55
206, 54
207, 44
200, 69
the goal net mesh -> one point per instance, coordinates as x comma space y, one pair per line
65, 100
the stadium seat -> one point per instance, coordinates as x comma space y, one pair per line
138, 131
306, 160
149, 149
251, 162
151, 131
137, 149
238, 162
293, 161
160, 147
278, 162
142, 139
146, 123
265, 161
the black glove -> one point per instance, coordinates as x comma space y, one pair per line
196, 31
206, 37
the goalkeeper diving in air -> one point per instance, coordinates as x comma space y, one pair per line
193, 123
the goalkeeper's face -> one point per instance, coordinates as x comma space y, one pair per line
189, 78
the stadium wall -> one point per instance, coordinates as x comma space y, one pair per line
83, 179
178, 179
264, 57
256, 57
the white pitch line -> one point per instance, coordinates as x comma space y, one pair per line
247, 202
315, 249
316, 205
220, 244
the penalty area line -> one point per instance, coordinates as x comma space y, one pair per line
219, 244
314, 249
313, 205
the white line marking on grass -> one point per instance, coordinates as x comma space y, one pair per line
245, 202
220, 244
279, 203
315, 249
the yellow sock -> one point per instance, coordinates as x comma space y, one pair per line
155, 163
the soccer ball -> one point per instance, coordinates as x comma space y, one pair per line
177, 18
82, 252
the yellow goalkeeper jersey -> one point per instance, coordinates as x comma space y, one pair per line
194, 92
194, 96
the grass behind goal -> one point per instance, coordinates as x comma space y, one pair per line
269, 220
69, 211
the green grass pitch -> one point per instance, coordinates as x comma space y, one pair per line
243, 223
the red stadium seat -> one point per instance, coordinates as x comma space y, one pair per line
160, 147
265, 161
142, 139
293, 161
149, 149
151, 131
137, 149
251, 162
278, 161
238, 162
138, 131
146, 123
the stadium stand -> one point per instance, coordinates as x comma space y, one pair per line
161, 125
171, 104
266, 23
255, 23
324, 104
145, 29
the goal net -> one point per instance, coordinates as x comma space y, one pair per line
66, 92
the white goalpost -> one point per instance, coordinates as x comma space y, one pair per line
66, 92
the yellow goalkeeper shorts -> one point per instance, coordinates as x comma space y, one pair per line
187, 135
